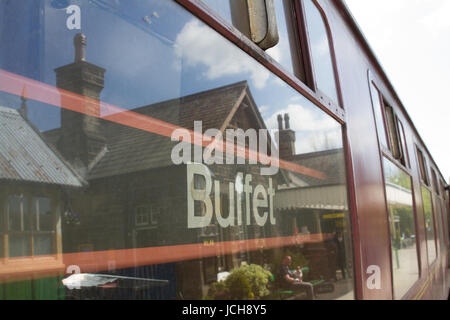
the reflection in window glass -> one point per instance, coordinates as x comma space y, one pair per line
2, 245
320, 51
429, 224
423, 167
378, 111
19, 245
435, 181
391, 117
138, 195
42, 214
402, 228
232, 11
222, 7
18, 216
403, 146
42, 244
286, 47
2, 230
440, 226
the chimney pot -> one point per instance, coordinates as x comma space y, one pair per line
280, 122
286, 120
80, 47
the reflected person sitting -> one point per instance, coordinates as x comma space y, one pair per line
293, 280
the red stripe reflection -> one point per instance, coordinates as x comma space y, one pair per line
36, 90
96, 261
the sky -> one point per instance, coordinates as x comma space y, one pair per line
411, 39
152, 51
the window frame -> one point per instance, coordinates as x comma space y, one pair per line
378, 95
403, 144
426, 183
29, 198
391, 126
435, 182
305, 42
141, 211
423, 167
414, 207
297, 39
433, 215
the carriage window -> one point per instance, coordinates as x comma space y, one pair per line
163, 160
399, 195
391, 122
439, 225
321, 53
435, 182
422, 167
2, 247
379, 115
442, 190
390, 129
429, 224
288, 51
404, 158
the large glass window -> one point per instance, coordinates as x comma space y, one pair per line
429, 224
402, 223
135, 126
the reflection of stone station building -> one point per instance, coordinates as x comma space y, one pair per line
136, 196
34, 181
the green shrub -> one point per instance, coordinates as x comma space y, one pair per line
238, 286
245, 282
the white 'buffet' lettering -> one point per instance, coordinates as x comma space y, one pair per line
256, 199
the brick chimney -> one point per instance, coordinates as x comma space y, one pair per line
82, 137
23, 110
286, 138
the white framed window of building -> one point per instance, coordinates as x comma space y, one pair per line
141, 216
30, 226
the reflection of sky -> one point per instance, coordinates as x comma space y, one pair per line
282, 51
152, 51
320, 51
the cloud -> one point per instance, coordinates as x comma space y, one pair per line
304, 119
263, 109
199, 45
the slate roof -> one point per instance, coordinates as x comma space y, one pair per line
132, 150
26, 157
329, 162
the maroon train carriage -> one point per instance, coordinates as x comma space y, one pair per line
205, 149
